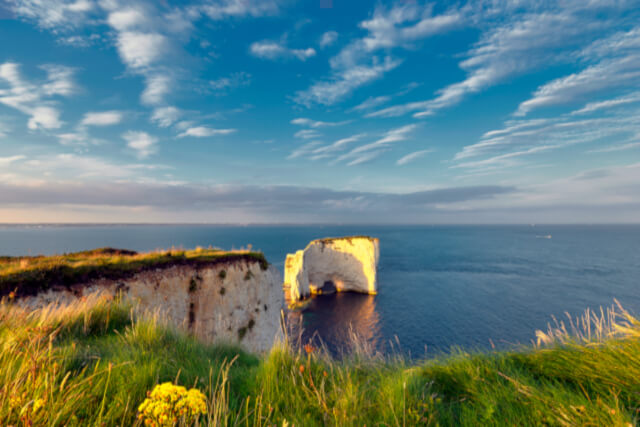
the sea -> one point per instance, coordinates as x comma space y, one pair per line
441, 288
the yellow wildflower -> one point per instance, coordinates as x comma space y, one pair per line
38, 404
167, 403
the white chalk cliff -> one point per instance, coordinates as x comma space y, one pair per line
340, 264
237, 302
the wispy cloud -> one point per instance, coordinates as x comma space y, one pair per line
520, 138
204, 132
411, 157
338, 145
232, 81
364, 153
344, 81
613, 148
525, 40
372, 102
616, 67
328, 38
307, 134
608, 104
301, 121
54, 14
269, 49
304, 150
364, 157
357, 63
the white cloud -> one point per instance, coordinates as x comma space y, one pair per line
45, 118
268, 49
143, 143
411, 157
102, 118
147, 35
126, 19
204, 132
144, 42
328, 38
37, 99
139, 50
316, 123
165, 116
158, 86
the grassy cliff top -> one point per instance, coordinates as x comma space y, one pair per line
30, 275
328, 240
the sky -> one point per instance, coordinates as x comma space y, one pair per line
320, 111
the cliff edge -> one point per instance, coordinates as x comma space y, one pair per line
234, 297
333, 265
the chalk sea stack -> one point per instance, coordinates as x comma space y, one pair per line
333, 264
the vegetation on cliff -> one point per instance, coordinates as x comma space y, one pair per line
94, 362
29, 275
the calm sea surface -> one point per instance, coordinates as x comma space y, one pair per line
440, 286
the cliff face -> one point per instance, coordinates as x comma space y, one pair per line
327, 265
237, 302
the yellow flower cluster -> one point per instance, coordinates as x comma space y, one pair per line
168, 403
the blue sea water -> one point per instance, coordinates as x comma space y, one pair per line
439, 286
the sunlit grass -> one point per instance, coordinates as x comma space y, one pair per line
93, 362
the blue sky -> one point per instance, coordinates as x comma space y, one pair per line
240, 111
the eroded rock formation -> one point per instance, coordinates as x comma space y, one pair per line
236, 302
337, 264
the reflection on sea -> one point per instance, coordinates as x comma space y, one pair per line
334, 320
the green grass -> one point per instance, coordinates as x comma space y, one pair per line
30, 275
92, 363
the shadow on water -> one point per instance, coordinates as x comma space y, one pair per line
334, 318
